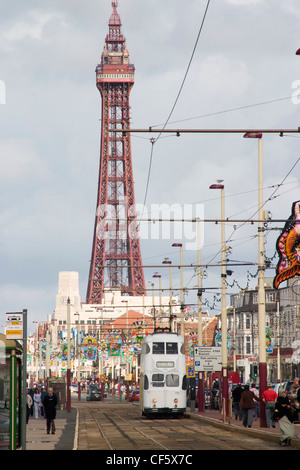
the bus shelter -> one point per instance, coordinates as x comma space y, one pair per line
10, 393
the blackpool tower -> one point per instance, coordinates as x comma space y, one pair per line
116, 260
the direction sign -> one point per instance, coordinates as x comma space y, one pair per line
208, 359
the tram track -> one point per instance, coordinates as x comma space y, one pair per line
140, 438
113, 427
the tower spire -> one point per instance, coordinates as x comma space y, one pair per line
116, 257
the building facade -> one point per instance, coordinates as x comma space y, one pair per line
282, 332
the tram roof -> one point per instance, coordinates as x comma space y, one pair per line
162, 335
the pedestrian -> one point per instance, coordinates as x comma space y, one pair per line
295, 386
247, 405
285, 414
215, 395
31, 393
297, 402
296, 396
50, 402
37, 403
29, 403
236, 396
269, 397
256, 404
43, 394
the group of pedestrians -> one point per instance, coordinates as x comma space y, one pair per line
42, 403
245, 404
279, 408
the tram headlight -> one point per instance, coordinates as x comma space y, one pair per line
175, 400
154, 400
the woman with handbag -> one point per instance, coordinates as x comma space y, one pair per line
285, 415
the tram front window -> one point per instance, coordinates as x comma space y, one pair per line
172, 348
158, 348
172, 380
158, 380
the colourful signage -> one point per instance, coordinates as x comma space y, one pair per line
288, 248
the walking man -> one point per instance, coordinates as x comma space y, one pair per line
269, 397
247, 405
50, 402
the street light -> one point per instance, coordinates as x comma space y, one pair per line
126, 338
179, 245
167, 261
278, 343
68, 401
223, 310
78, 356
159, 283
35, 352
201, 399
261, 288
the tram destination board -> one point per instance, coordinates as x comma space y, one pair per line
208, 359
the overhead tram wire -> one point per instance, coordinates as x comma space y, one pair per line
153, 141
230, 110
272, 195
268, 199
281, 132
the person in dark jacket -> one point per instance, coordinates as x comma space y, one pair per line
236, 396
247, 406
50, 402
285, 414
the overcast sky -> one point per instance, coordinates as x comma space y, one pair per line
243, 74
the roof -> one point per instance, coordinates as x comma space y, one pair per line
114, 19
10, 344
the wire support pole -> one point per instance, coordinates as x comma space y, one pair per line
210, 131
178, 266
196, 219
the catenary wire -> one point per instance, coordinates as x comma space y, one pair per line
176, 100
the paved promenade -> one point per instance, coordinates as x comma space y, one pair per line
269, 434
65, 437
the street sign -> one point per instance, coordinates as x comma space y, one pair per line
208, 359
14, 325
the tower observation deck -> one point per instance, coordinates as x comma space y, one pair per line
116, 256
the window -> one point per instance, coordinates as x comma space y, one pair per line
171, 348
172, 380
270, 296
158, 348
146, 382
157, 377
158, 380
248, 345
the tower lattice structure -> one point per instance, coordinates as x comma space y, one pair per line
116, 260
